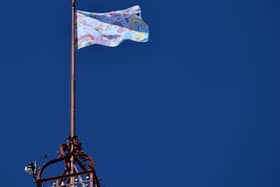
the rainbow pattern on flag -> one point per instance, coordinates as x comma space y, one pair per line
111, 28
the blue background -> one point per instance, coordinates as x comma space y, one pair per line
197, 106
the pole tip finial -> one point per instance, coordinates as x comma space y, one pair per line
73, 3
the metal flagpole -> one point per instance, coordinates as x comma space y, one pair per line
78, 167
73, 72
73, 89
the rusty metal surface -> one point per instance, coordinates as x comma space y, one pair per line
82, 164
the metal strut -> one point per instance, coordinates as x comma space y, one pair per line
84, 174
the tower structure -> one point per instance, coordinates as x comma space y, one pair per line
77, 167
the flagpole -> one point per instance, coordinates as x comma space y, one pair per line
73, 73
73, 89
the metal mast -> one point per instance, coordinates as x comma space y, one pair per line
73, 73
76, 167
73, 86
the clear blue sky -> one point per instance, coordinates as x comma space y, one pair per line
197, 106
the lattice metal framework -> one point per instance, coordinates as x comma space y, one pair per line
84, 174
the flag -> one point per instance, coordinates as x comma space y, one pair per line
111, 28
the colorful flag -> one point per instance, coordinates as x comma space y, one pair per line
111, 28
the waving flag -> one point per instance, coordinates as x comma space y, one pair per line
111, 28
